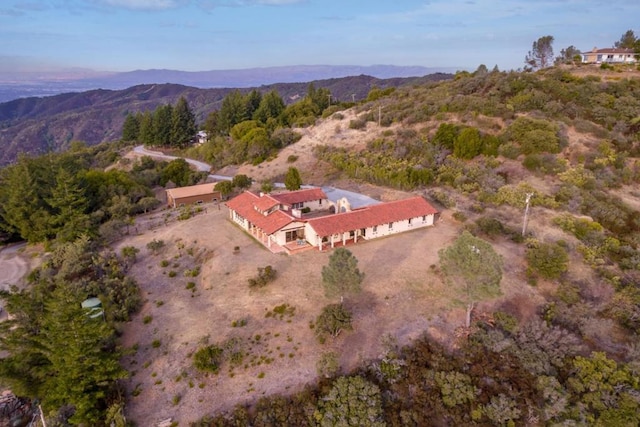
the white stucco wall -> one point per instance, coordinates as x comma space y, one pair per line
380, 231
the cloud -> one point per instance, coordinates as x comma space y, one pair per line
212, 4
144, 4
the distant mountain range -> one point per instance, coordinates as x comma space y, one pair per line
21, 85
38, 125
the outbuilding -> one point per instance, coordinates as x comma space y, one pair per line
193, 194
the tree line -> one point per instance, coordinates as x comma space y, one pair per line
59, 197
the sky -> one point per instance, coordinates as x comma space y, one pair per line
201, 35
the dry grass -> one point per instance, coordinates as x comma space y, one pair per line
402, 296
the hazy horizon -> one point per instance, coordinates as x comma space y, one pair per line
203, 35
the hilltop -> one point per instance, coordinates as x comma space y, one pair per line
562, 331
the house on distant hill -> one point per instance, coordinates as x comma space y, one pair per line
609, 56
278, 221
193, 194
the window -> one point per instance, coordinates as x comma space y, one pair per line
390, 226
409, 221
375, 228
320, 201
424, 218
297, 205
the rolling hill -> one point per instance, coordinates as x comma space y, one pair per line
38, 125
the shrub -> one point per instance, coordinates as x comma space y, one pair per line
490, 226
328, 365
549, 260
334, 319
358, 124
147, 319
155, 245
292, 158
265, 276
156, 343
208, 358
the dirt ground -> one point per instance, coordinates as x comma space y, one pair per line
402, 297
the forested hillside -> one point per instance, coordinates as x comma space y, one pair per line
40, 125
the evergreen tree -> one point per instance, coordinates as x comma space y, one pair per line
131, 128
271, 106
146, 134
183, 123
22, 200
232, 111
541, 53
69, 204
83, 358
292, 180
342, 276
162, 125
472, 269
252, 102
627, 41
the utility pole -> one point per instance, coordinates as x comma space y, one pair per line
329, 96
353, 98
526, 214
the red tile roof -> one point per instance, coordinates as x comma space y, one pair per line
373, 215
244, 204
299, 196
265, 202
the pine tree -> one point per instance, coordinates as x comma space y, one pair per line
84, 361
342, 276
131, 128
146, 133
69, 207
541, 53
162, 125
271, 107
183, 124
472, 269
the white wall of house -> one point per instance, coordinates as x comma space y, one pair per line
371, 232
280, 236
314, 205
239, 219
399, 226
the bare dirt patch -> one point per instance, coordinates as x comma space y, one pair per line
403, 297
15, 262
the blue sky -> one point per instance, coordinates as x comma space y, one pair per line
198, 35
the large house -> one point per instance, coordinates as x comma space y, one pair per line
306, 218
193, 194
610, 56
